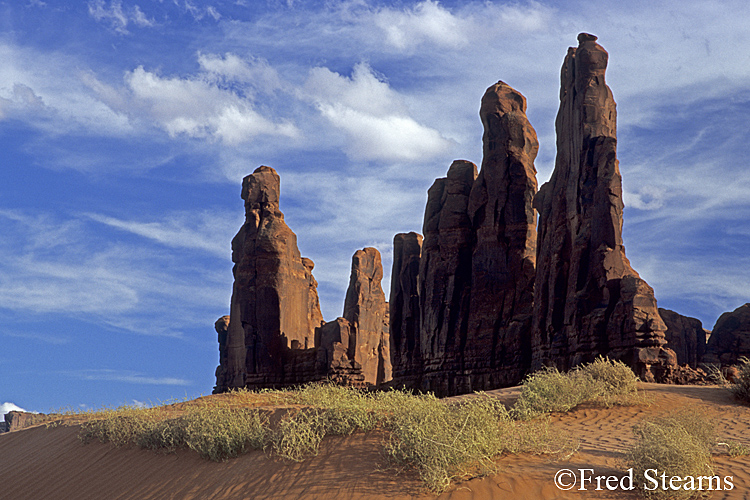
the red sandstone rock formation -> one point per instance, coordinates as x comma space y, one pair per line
275, 335
406, 355
476, 268
589, 300
274, 308
335, 341
685, 336
730, 338
503, 261
366, 311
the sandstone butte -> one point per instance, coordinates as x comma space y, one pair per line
488, 294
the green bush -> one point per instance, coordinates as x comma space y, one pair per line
677, 445
345, 409
299, 434
220, 433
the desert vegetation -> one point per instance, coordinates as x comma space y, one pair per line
678, 444
603, 382
741, 386
442, 441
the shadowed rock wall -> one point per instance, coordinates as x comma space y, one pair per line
406, 352
476, 268
685, 336
730, 338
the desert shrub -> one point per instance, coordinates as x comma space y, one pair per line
714, 375
603, 381
215, 433
440, 440
221, 433
734, 449
298, 434
344, 409
122, 426
616, 377
678, 445
741, 386
446, 441
549, 390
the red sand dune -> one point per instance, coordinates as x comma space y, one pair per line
51, 463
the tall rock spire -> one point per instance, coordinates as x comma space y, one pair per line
366, 311
274, 307
476, 269
589, 300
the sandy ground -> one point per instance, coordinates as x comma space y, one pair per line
49, 464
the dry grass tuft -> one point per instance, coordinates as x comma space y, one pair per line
604, 382
678, 445
741, 386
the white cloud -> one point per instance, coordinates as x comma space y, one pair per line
647, 198
431, 26
45, 90
199, 13
8, 407
373, 116
426, 22
118, 17
197, 108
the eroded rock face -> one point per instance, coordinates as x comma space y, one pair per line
274, 309
275, 335
589, 300
730, 338
685, 336
366, 311
406, 356
476, 270
503, 260
335, 339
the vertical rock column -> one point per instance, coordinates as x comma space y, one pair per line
476, 273
445, 277
406, 355
274, 307
366, 311
589, 300
503, 262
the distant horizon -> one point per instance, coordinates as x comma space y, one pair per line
127, 126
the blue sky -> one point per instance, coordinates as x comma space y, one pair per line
126, 127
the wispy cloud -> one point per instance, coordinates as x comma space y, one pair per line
200, 12
205, 231
113, 282
38, 337
373, 116
123, 376
117, 17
